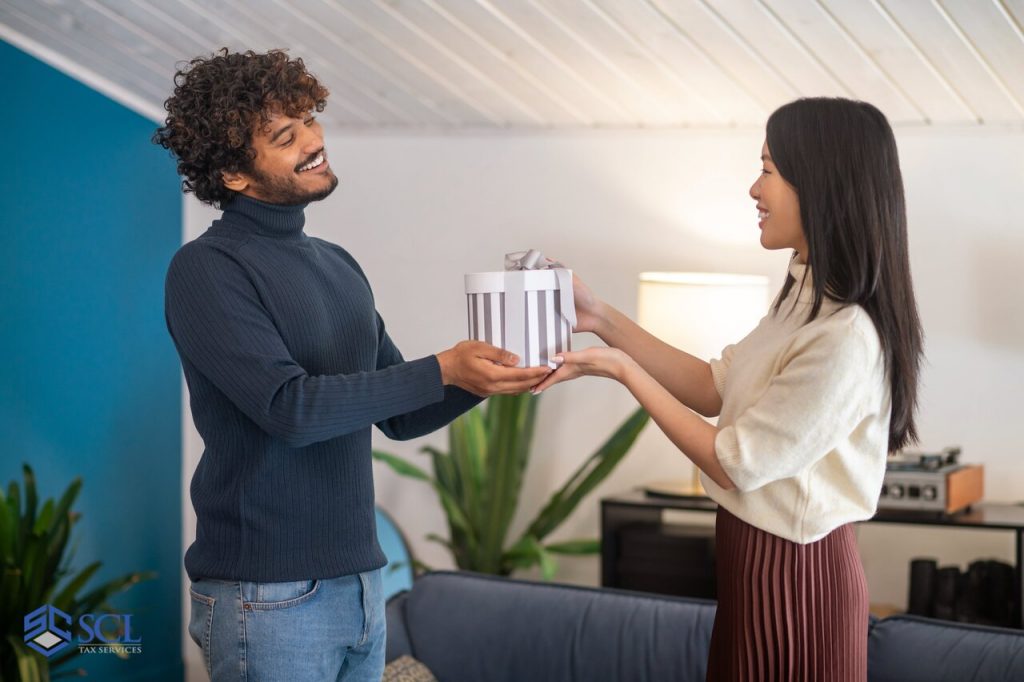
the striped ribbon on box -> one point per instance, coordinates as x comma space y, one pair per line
528, 309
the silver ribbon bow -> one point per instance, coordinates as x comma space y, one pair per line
514, 289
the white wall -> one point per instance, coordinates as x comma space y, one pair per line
418, 212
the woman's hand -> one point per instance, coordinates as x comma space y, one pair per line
611, 363
589, 308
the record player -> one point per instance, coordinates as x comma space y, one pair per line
935, 482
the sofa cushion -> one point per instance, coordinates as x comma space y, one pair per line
915, 649
466, 626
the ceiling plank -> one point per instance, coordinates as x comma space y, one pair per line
495, 66
422, 73
996, 40
735, 55
445, 67
364, 46
562, 64
193, 36
571, 31
943, 44
332, 60
686, 64
532, 56
68, 37
43, 46
900, 59
835, 46
82, 24
760, 27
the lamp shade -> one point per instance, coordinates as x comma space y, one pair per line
701, 312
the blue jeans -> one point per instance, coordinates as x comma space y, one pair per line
315, 630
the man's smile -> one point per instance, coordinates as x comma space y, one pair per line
318, 164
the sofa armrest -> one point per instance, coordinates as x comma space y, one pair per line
398, 642
916, 649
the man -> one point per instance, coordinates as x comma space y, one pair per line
288, 366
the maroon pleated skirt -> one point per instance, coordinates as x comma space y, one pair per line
788, 611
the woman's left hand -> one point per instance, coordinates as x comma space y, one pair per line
599, 362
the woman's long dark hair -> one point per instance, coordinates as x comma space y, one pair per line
840, 156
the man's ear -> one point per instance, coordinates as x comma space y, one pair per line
235, 181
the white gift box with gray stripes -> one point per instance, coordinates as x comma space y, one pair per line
543, 328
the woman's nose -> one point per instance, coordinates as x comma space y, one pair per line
755, 190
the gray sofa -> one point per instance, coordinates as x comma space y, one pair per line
475, 628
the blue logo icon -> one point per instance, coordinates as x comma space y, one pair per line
43, 630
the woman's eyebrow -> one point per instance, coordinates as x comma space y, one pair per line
765, 157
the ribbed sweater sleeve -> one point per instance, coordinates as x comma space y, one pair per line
219, 323
426, 419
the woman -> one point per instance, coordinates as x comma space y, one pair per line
809, 403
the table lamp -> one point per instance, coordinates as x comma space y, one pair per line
699, 313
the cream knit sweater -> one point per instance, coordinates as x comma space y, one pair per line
804, 427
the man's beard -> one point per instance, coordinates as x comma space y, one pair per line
277, 190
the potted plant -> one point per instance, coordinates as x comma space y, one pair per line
34, 565
479, 479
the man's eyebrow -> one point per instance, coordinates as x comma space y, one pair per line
280, 132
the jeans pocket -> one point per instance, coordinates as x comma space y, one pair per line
200, 624
269, 596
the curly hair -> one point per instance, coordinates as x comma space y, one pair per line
219, 103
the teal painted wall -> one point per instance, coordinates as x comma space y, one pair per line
90, 215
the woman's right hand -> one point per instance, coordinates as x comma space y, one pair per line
589, 308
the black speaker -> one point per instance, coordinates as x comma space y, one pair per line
922, 586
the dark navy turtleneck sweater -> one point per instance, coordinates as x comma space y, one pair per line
288, 366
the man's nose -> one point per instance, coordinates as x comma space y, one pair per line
311, 141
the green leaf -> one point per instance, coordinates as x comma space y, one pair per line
463, 533
508, 441
594, 470
468, 445
42, 525
14, 505
31, 666
434, 537
68, 498
421, 567
575, 547
456, 517
444, 471
31, 501
528, 552
8, 523
64, 600
12, 597
101, 594
402, 466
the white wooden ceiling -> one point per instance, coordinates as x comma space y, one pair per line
538, 64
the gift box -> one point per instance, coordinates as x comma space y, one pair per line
528, 308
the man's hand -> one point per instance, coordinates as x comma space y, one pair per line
484, 370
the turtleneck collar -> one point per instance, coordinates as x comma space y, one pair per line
799, 270
806, 294
278, 221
